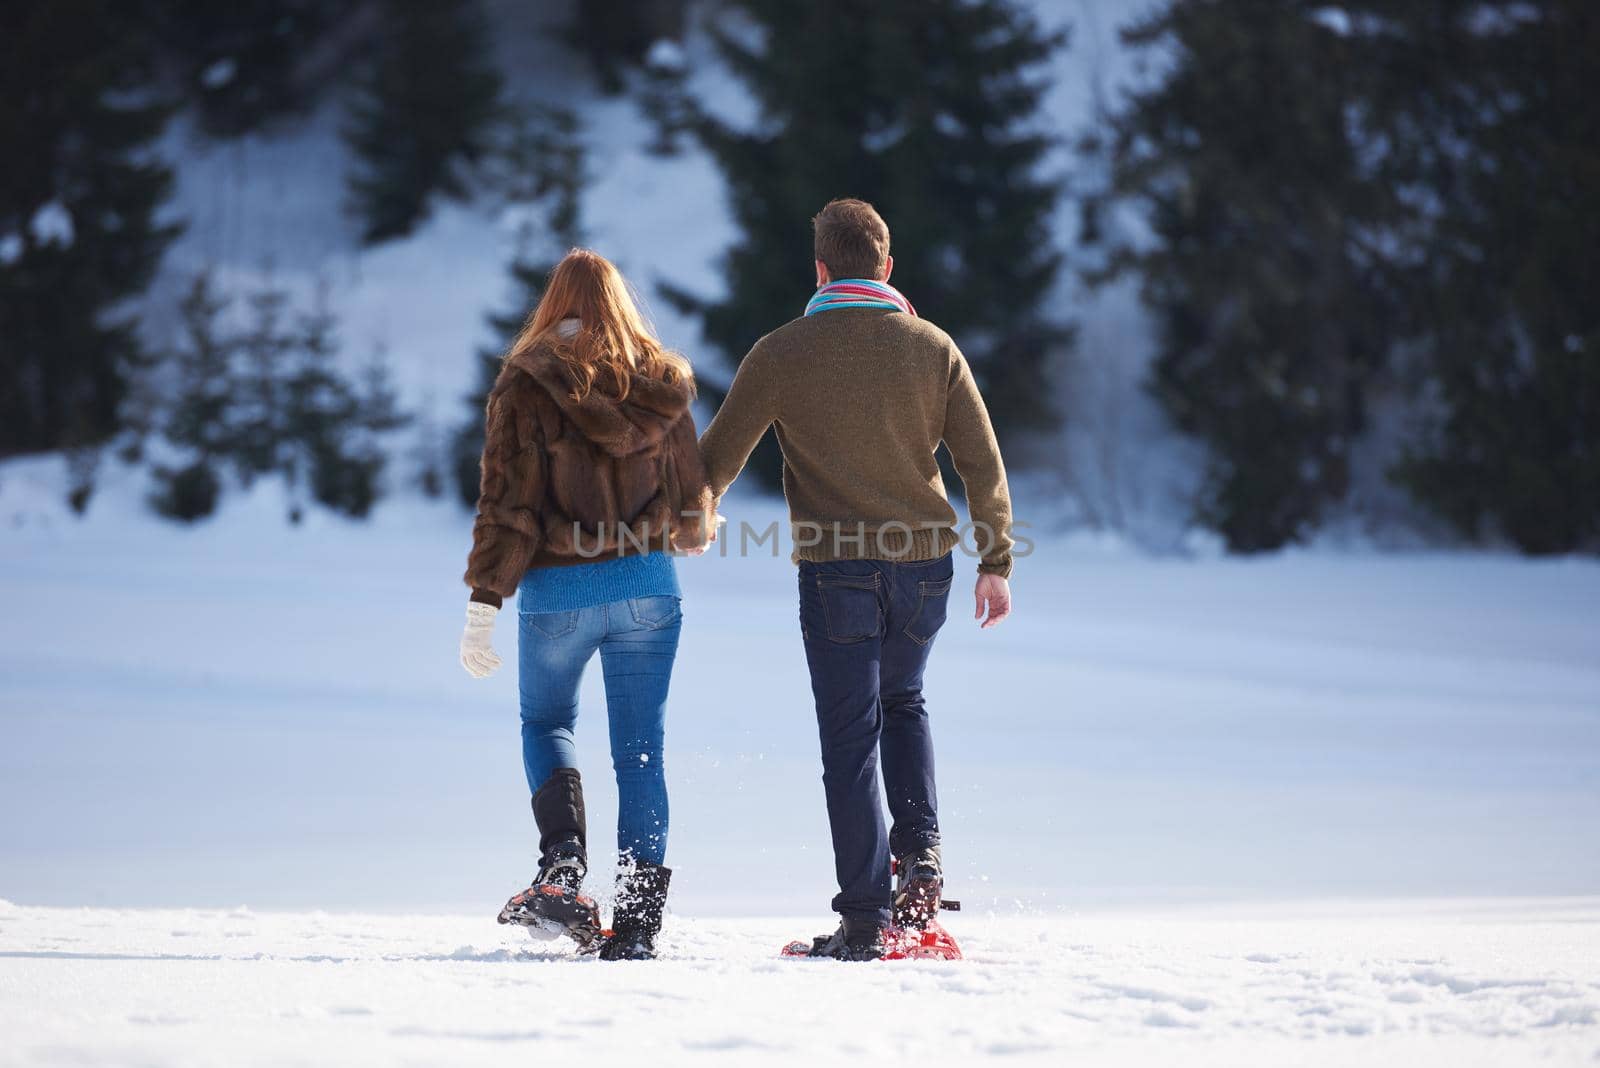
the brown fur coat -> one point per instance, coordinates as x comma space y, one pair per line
570, 482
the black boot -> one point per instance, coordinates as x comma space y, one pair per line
553, 906
919, 887
858, 939
636, 920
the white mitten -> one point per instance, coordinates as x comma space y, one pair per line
477, 641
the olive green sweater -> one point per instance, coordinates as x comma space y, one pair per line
861, 398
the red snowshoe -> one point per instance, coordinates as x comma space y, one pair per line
930, 942
914, 933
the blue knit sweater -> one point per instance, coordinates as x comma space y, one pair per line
619, 578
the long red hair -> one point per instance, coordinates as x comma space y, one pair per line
613, 341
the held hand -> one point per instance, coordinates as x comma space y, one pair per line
699, 550
477, 641
693, 550
993, 593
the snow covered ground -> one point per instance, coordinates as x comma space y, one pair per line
1462, 984
1150, 777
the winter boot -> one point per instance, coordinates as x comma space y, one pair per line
919, 887
854, 940
636, 920
553, 906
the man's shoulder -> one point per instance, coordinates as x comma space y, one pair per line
921, 330
790, 333
779, 348
808, 329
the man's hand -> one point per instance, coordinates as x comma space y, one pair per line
477, 645
993, 593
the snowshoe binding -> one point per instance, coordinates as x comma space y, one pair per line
919, 889
553, 907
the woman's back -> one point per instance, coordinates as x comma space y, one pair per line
591, 474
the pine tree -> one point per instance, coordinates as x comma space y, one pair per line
270, 401
82, 465
196, 425
79, 237
430, 455
330, 434
616, 34
425, 113
929, 109
543, 168
349, 458
186, 493
1274, 303
243, 64
256, 435
1497, 100
316, 405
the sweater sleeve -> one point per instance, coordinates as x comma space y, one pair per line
507, 531
696, 505
970, 438
746, 412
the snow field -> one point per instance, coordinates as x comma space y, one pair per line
1458, 984
248, 712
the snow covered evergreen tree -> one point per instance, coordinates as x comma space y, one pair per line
196, 426
245, 63
348, 476
79, 193
315, 404
1501, 127
1374, 199
256, 423
327, 438
269, 401
616, 34
929, 109
1274, 308
424, 113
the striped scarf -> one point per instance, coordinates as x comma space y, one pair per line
858, 293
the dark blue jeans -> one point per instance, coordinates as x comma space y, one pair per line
869, 626
638, 642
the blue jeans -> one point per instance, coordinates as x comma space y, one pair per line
638, 642
868, 627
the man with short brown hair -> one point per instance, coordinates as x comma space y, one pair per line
851, 240
862, 392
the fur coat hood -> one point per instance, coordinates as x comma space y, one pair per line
569, 481
637, 422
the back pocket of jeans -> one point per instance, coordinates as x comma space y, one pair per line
850, 607
653, 613
550, 624
932, 601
